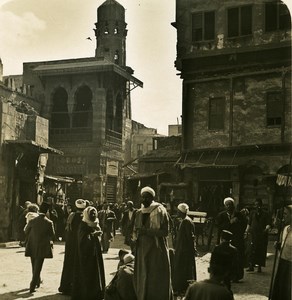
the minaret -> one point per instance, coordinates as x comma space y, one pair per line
111, 32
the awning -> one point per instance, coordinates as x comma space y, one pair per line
144, 175
209, 159
174, 185
32, 146
57, 178
200, 166
79, 66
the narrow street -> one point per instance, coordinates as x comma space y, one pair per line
15, 274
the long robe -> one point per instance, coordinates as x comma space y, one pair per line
107, 219
282, 282
184, 257
152, 275
89, 277
237, 229
70, 255
258, 222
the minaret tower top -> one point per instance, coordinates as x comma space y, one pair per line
111, 32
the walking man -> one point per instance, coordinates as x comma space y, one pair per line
127, 224
40, 235
107, 219
185, 252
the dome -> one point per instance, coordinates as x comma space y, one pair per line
111, 2
111, 9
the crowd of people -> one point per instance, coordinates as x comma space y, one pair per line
149, 269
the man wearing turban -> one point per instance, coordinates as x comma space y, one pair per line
152, 267
233, 221
127, 223
185, 252
70, 256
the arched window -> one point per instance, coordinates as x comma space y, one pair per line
59, 113
82, 113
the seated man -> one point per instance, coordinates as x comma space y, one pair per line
121, 286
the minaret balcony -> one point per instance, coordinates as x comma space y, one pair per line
114, 139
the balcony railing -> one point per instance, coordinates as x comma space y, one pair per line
114, 138
71, 134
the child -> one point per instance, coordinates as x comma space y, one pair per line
32, 212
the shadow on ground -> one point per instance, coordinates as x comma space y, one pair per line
25, 294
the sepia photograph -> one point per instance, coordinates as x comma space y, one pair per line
145, 150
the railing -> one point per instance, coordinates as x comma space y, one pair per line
71, 134
114, 138
77, 119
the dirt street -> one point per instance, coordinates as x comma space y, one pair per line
15, 274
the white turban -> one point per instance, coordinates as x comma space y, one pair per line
148, 189
128, 258
228, 199
183, 207
80, 203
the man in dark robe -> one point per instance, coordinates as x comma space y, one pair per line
89, 277
70, 256
185, 252
107, 219
233, 221
127, 224
259, 225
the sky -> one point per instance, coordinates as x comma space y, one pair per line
41, 30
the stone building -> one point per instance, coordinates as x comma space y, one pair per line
87, 102
23, 149
234, 59
142, 140
174, 130
157, 168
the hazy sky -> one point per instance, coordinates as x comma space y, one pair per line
40, 30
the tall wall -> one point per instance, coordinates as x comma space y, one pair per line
15, 126
248, 111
